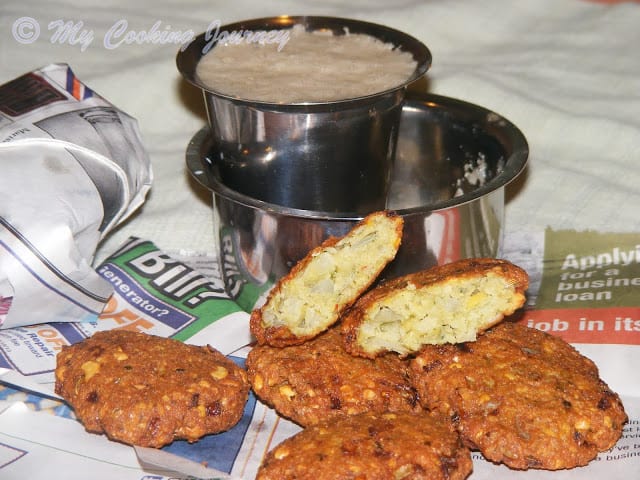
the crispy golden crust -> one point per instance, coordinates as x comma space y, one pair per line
313, 295
148, 391
522, 397
319, 380
449, 303
371, 447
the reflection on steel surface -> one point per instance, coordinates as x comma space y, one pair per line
439, 140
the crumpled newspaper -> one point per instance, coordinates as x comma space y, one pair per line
72, 167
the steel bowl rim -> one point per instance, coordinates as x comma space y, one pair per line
514, 165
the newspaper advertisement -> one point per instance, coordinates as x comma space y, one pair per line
73, 167
584, 288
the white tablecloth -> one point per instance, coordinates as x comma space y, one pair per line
567, 73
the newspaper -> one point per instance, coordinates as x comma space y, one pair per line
603, 326
73, 167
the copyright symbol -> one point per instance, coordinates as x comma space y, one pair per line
26, 30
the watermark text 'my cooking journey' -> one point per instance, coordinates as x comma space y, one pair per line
27, 30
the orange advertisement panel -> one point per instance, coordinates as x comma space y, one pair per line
617, 325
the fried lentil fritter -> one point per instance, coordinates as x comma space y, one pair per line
312, 296
146, 390
522, 397
319, 380
449, 303
371, 446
